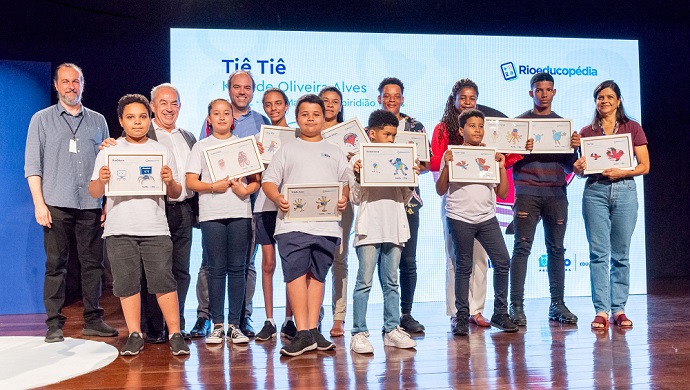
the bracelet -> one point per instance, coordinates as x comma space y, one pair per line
211, 188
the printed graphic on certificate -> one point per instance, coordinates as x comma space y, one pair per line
313, 202
348, 135
551, 135
419, 139
135, 174
234, 159
608, 151
272, 138
473, 164
506, 135
388, 165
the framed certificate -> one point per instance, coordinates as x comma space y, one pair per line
608, 151
135, 174
388, 165
473, 164
551, 135
506, 135
348, 135
237, 158
421, 140
313, 202
272, 138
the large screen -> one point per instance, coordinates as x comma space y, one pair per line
428, 65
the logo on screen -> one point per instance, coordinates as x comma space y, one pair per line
145, 170
509, 72
544, 262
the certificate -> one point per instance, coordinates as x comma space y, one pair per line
608, 151
348, 135
506, 135
313, 202
135, 174
419, 139
233, 159
388, 165
473, 164
272, 138
551, 135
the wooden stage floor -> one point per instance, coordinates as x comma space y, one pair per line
544, 355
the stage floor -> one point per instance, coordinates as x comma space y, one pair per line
654, 354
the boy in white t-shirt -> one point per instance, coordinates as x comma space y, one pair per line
471, 213
381, 231
306, 247
136, 231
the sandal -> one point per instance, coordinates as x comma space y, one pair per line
600, 320
620, 319
337, 331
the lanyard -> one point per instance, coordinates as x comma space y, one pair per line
615, 128
74, 131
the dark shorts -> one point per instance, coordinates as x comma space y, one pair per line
302, 253
129, 254
265, 226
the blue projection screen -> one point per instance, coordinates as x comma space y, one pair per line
428, 65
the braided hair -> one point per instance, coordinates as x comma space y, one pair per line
450, 114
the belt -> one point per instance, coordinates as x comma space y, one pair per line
171, 203
598, 178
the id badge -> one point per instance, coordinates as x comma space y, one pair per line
72, 146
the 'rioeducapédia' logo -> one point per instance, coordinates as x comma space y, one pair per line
511, 72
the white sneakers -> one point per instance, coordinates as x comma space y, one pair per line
217, 336
360, 343
235, 335
397, 338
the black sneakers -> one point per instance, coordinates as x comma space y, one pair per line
54, 335
177, 345
134, 344
517, 314
460, 328
288, 330
503, 322
321, 343
100, 329
301, 343
267, 332
559, 312
410, 325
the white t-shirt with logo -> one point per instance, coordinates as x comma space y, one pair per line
470, 202
142, 215
216, 206
303, 162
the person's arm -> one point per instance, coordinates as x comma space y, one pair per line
173, 188
439, 144
442, 183
253, 184
196, 185
502, 188
272, 193
355, 188
342, 202
97, 186
41, 211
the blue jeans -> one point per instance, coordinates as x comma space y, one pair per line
488, 233
528, 210
610, 213
387, 256
408, 265
225, 243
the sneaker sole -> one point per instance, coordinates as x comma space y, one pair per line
214, 341
240, 341
459, 333
495, 325
366, 352
562, 321
392, 344
261, 338
131, 353
331, 346
297, 353
413, 330
91, 332
181, 352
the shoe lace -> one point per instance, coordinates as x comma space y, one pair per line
217, 332
236, 333
400, 332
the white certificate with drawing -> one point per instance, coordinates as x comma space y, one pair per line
348, 136
388, 165
506, 135
421, 140
234, 159
551, 135
313, 202
135, 174
473, 164
608, 151
272, 138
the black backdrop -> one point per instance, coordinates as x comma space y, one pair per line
123, 47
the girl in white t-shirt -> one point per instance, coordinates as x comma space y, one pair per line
225, 217
471, 213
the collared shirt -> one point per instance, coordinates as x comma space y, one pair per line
65, 176
175, 141
246, 125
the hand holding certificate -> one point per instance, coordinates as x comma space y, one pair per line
473, 164
551, 135
234, 159
135, 174
313, 202
609, 151
388, 165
